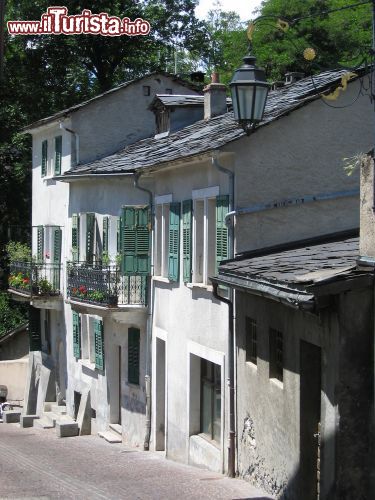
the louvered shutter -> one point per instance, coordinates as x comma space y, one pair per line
44, 157
133, 355
99, 344
187, 208
174, 242
58, 154
76, 335
105, 235
75, 237
90, 236
40, 243
57, 237
35, 338
222, 208
135, 241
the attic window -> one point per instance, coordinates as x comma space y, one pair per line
162, 120
169, 91
146, 90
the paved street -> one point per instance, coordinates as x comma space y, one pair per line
36, 464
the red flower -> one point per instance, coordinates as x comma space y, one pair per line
82, 289
26, 280
75, 290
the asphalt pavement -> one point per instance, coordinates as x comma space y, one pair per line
36, 464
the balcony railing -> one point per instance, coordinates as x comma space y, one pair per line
35, 278
104, 285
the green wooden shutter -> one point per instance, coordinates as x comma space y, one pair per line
99, 344
57, 237
58, 154
105, 235
90, 236
75, 237
133, 355
35, 337
174, 242
40, 243
135, 240
44, 157
222, 208
187, 208
76, 335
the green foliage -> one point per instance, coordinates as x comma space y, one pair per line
338, 38
11, 315
44, 286
17, 251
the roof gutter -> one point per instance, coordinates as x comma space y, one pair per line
77, 177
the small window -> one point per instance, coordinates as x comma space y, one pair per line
276, 354
251, 340
146, 90
58, 154
210, 400
133, 355
169, 91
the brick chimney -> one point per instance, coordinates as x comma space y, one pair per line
215, 98
367, 212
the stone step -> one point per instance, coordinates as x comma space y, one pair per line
116, 428
11, 416
28, 420
66, 428
48, 406
44, 423
60, 409
110, 437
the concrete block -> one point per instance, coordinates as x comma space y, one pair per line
84, 414
110, 437
66, 429
60, 410
11, 416
43, 423
28, 420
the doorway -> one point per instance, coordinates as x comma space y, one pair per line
310, 397
77, 402
119, 385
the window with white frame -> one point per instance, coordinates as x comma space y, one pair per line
51, 156
162, 215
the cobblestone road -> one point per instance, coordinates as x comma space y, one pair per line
35, 464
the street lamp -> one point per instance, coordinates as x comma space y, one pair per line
249, 90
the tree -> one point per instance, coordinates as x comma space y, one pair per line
342, 37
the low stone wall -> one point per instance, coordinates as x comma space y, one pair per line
13, 374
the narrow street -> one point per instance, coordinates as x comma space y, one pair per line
36, 464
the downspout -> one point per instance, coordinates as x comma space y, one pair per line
76, 136
229, 302
146, 445
232, 425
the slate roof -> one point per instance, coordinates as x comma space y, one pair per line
66, 112
206, 135
181, 100
299, 266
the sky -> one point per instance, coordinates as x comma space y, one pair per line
243, 7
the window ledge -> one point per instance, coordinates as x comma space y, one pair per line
161, 279
87, 364
277, 383
209, 288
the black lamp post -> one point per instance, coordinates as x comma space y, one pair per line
249, 90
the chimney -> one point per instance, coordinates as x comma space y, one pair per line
293, 77
367, 212
197, 76
215, 98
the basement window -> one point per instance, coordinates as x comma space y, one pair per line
146, 90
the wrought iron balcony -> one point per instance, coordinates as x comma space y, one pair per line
35, 279
104, 285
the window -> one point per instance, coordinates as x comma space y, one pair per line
174, 242
133, 355
162, 118
276, 354
162, 236
58, 154
77, 351
75, 237
187, 218
210, 400
210, 234
135, 240
99, 344
46, 340
146, 90
44, 158
251, 340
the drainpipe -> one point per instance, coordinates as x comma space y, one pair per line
232, 425
146, 445
63, 127
229, 302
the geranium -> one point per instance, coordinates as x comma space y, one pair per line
75, 290
82, 289
26, 280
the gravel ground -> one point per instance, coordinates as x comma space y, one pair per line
35, 464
